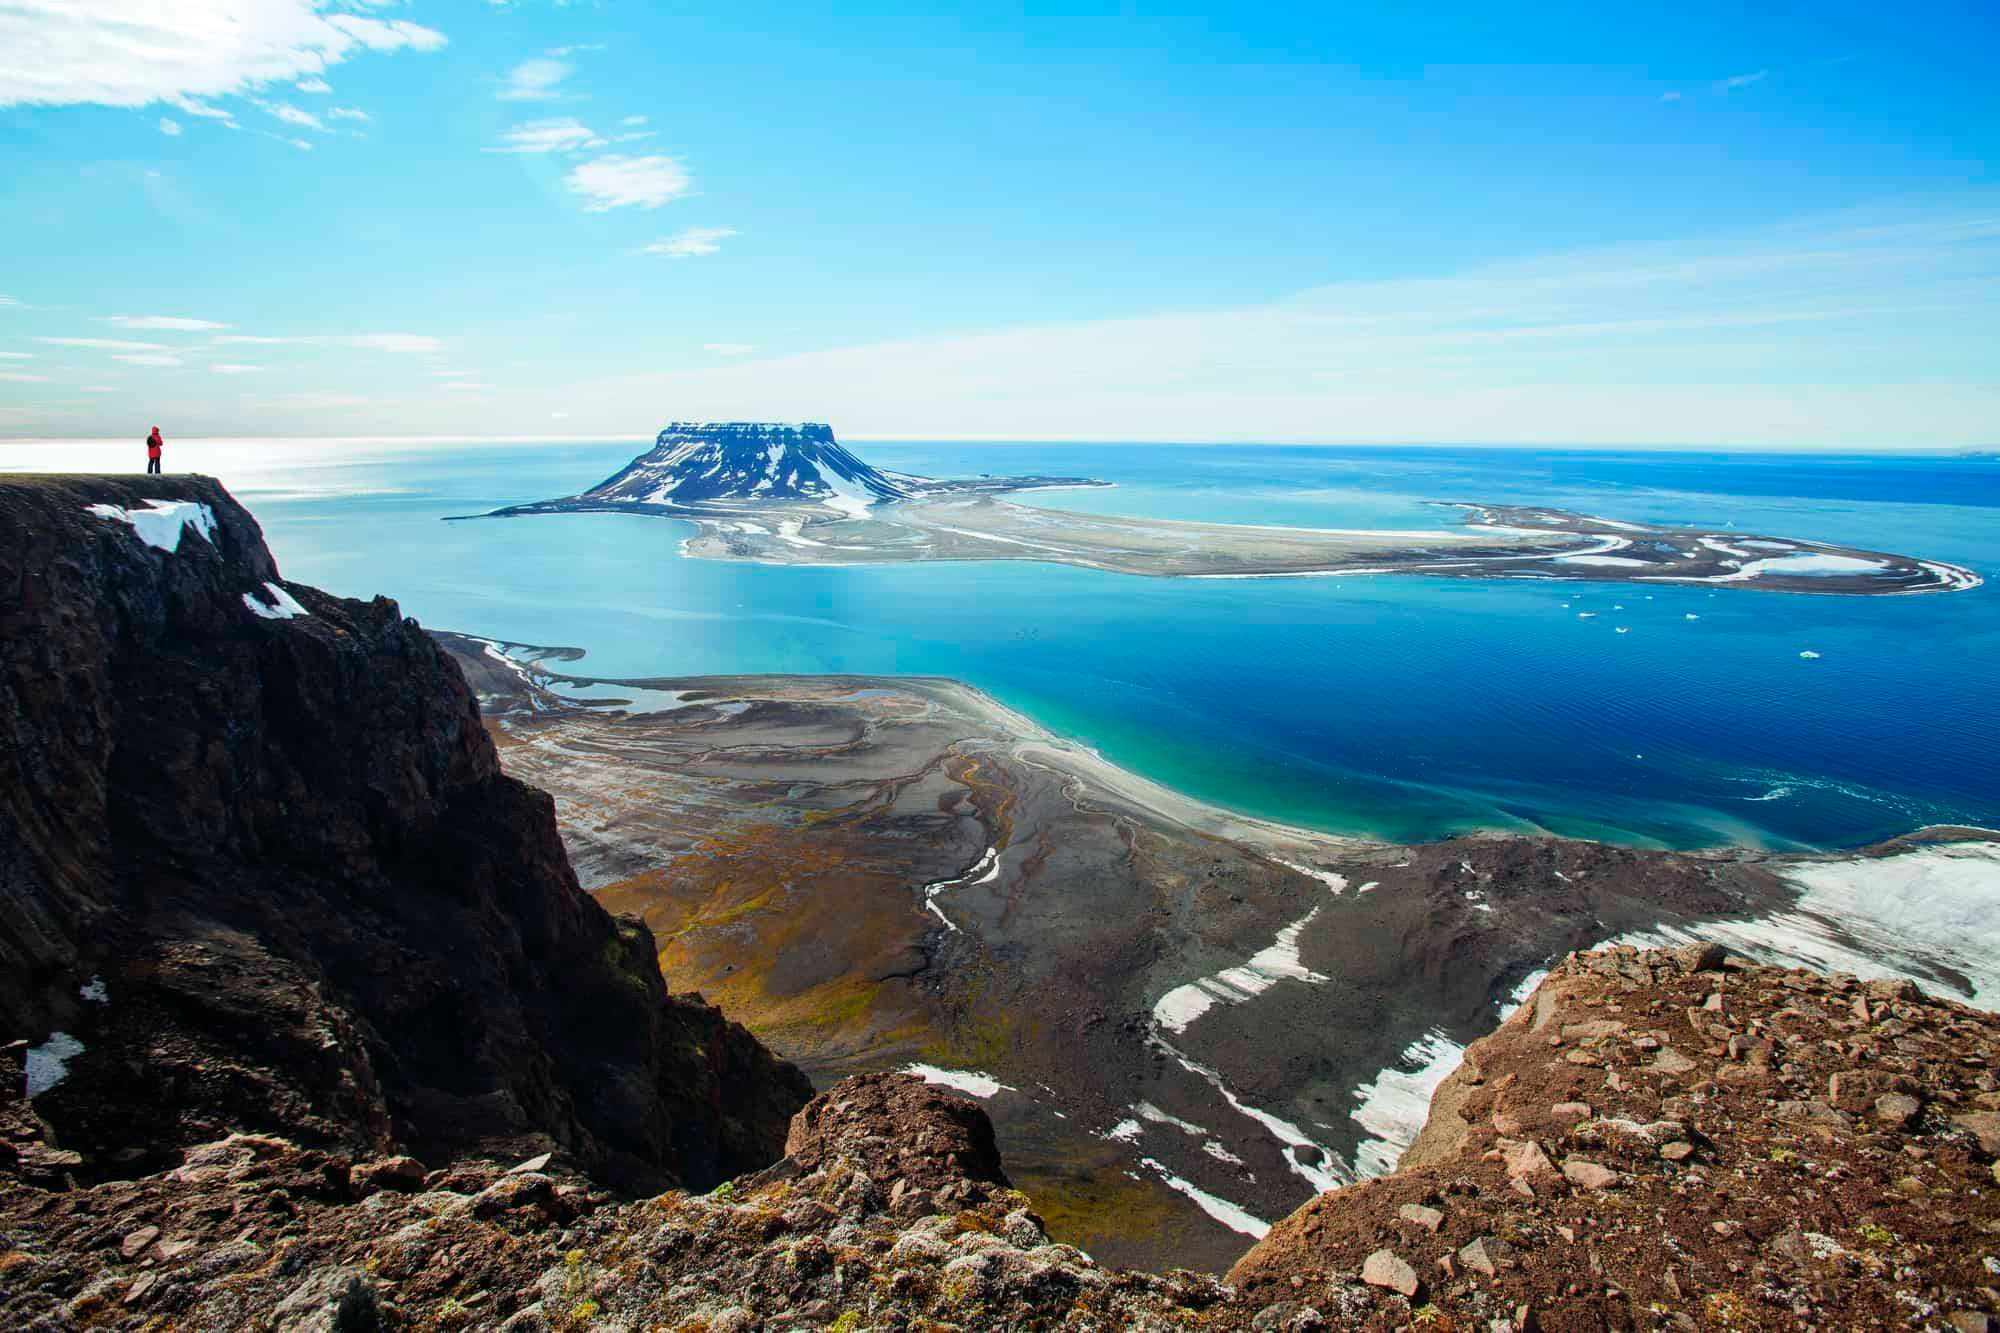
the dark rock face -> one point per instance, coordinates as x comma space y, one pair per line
260, 861
744, 460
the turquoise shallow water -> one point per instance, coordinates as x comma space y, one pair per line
1399, 707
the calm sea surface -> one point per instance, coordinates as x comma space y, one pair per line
1399, 707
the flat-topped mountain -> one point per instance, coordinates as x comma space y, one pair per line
748, 460
727, 467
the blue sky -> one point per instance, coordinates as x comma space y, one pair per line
1735, 225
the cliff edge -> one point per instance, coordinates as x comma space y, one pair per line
260, 871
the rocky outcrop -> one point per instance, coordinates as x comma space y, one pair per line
1670, 1139
253, 1231
260, 872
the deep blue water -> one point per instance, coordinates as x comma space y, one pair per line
1401, 707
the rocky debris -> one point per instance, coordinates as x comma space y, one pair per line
915, 1135
1819, 1153
265, 871
486, 1246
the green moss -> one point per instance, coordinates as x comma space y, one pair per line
849, 1321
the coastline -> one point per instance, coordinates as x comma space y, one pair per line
877, 872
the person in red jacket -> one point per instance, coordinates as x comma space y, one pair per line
153, 446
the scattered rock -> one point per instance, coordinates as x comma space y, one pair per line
1589, 1175
135, 1242
1430, 1219
1385, 1269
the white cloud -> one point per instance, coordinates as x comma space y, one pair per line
348, 113
129, 53
558, 416
22, 377
548, 136
1671, 95
291, 115
170, 128
453, 374
728, 349
17, 356
98, 388
234, 368
631, 122
8, 300
628, 182
535, 80
693, 241
467, 386
171, 323
406, 343
420, 344
312, 85
105, 344
157, 359
1735, 81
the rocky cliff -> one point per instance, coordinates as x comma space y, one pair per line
260, 871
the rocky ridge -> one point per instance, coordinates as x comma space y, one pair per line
260, 871
1623, 1153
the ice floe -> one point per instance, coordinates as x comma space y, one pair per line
1624, 560
161, 522
277, 604
968, 1081
1277, 962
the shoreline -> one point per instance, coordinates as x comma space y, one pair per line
1207, 1016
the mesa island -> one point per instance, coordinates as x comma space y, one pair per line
791, 494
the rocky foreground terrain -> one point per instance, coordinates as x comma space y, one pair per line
308, 1025
1657, 1140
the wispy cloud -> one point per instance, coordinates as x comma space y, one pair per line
729, 349
467, 386
17, 356
105, 344
170, 128
536, 80
158, 360
1823, 333
348, 113
547, 136
234, 368
22, 377
128, 53
412, 344
164, 323
628, 182
1672, 95
312, 85
292, 115
690, 242
1735, 81
633, 122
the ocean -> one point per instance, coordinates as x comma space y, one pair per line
1402, 708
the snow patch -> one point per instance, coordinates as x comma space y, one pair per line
278, 604
161, 522
968, 1081
48, 1063
1931, 914
1396, 1103
1222, 1210
1266, 968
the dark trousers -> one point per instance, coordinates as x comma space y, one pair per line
152, 467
